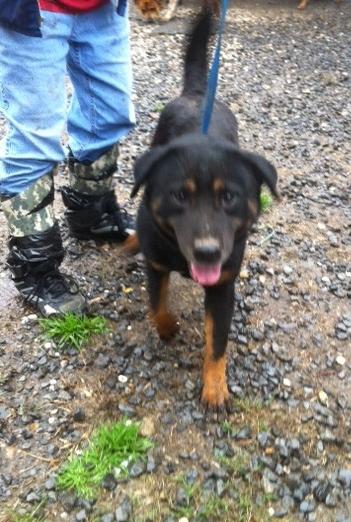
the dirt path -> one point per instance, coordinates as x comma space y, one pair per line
285, 451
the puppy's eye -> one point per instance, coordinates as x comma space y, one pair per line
179, 196
228, 196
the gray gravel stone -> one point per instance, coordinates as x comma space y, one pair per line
68, 500
32, 497
124, 510
307, 506
345, 477
108, 517
79, 415
50, 483
182, 499
81, 515
109, 482
102, 361
137, 469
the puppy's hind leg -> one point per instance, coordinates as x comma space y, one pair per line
219, 304
165, 322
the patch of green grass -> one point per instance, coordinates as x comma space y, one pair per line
190, 488
266, 201
199, 507
148, 516
262, 426
248, 405
17, 517
228, 428
72, 330
28, 517
36, 515
268, 498
113, 447
213, 509
159, 107
184, 511
248, 511
238, 466
245, 507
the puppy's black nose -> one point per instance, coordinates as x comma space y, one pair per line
207, 250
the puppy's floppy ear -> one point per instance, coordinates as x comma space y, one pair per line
263, 170
143, 166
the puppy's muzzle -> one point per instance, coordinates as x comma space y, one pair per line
207, 251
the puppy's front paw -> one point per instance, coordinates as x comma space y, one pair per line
215, 395
166, 324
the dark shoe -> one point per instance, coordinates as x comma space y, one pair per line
96, 216
34, 261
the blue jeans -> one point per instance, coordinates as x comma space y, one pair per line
94, 49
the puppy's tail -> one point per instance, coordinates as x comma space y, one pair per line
196, 63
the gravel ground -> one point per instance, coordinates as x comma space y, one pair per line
286, 74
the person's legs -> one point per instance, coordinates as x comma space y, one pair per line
101, 114
32, 100
99, 65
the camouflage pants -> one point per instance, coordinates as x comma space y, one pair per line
31, 211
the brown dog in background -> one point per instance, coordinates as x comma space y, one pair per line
303, 4
163, 10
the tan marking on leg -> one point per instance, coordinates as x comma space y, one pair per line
166, 323
190, 185
215, 391
226, 275
218, 185
158, 267
253, 208
131, 244
155, 205
212, 6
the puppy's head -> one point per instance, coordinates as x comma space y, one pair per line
204, 192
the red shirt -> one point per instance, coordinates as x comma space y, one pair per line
71, 6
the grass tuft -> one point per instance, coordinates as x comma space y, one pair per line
248, 406
245, 507
266, 201
72, 330
112, 449
36, 515
238, 466
214, 508
17, 517
159, 107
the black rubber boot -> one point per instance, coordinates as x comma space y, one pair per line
92, 208
34, 262
96, 216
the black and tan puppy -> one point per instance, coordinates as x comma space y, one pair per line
201, 198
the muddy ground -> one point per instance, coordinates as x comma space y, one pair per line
285, 451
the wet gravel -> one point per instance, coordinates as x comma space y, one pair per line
286, 75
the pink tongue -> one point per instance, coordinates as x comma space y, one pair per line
205, 275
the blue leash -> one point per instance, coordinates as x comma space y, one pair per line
213, 76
